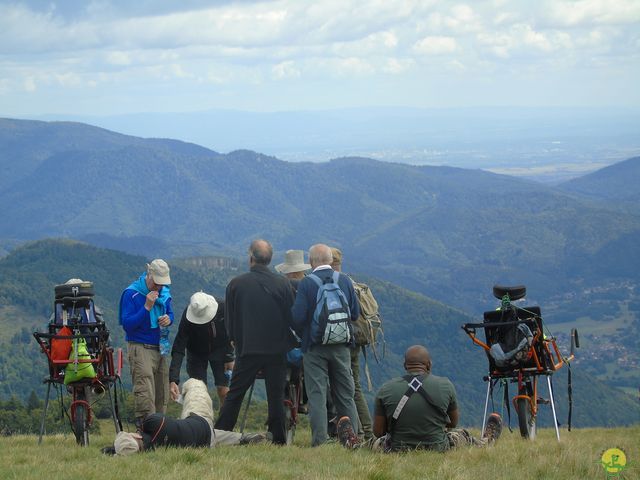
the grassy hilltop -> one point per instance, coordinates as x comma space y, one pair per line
575, 457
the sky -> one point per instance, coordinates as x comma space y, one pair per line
109, 57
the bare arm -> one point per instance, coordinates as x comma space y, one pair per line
453, 417
379, 425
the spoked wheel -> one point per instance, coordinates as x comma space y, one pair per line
526, 419
290, 424
291, 403
80, 417
525, 410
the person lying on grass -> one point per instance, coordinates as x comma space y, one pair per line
193, 429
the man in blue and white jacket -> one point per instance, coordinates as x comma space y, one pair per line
324, 364
145, 307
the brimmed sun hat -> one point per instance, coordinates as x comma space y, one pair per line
126, 444
293, 262
202, 308
158, 270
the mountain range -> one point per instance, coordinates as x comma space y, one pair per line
436, 230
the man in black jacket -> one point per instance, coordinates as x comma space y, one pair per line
258, 318
203, 334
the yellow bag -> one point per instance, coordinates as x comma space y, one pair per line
77, 371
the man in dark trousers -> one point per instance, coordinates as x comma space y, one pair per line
257, 316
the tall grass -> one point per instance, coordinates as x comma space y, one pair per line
576, 456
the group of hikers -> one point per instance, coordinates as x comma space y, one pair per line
264, 316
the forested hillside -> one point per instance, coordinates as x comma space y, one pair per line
616, 183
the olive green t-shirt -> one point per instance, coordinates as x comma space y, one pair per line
419, 424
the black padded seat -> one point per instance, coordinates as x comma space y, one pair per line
515, 293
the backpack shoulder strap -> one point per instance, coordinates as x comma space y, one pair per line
335, 277
315, 278
423, 393
414, 383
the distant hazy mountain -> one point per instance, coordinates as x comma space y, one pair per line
446, 232
28, 274
618, 183
482, 137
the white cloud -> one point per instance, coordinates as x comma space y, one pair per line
29, 84
119, 58
592, 12
435, 45
400, 43
285, 70
349, 66
68, 79
523, 40
457, 66
397, 66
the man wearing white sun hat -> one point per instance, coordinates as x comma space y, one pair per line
204, 337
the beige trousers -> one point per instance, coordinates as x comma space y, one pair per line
150, 379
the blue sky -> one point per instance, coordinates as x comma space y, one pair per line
111, 57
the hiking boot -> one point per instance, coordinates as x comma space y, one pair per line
332, 427
252, 438
346, 434
139, 421
108, 450
493, 429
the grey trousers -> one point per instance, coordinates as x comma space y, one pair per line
324, 365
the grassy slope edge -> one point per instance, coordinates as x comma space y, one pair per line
576, 456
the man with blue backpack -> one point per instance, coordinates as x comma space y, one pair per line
324, 308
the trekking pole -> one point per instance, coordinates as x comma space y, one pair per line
246, 408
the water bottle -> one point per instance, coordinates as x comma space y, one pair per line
165, 346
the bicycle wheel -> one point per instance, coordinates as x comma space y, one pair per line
81, 419
526, 418
290, 425
291, 408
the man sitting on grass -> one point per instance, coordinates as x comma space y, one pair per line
419, 411
193, 429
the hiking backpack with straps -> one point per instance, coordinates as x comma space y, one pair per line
331, 323
367, 329
369, 323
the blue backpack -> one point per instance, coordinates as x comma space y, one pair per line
331, 324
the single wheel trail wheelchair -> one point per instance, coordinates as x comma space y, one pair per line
79, 358
520, 352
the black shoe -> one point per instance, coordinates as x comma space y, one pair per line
108, 450
493, 429
346, 434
